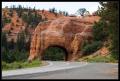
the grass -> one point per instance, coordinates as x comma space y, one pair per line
98, 58
20, 65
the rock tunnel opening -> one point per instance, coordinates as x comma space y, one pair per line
55, 53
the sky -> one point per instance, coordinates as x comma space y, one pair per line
70, 7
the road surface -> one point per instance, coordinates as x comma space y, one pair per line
66, 70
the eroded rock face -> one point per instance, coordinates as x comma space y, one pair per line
14, 27
67, 32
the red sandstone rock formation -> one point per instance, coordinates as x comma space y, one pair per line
14, 27
17, 24
66, 32
104, 51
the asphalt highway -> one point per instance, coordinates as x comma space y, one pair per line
66, 70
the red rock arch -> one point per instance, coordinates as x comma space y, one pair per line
67, 32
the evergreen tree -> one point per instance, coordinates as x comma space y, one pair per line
19, 10
21, 41
11, 44
53, 10
110, 13
67, 14
4, 40
34, 9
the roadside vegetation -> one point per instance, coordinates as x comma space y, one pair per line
109, 13
15, 55
106, 33
20, 64
98, 59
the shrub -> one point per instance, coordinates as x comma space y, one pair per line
7, 20
90, 48
10, 56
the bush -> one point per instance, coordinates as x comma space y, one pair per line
90, 48
115, 55
10, 56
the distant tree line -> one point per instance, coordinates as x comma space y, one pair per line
53, 10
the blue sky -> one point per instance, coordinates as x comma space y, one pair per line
70, 7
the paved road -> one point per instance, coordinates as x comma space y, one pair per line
66, 70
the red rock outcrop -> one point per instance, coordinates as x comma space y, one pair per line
66, 32
104, 51
17, 24
14, 27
